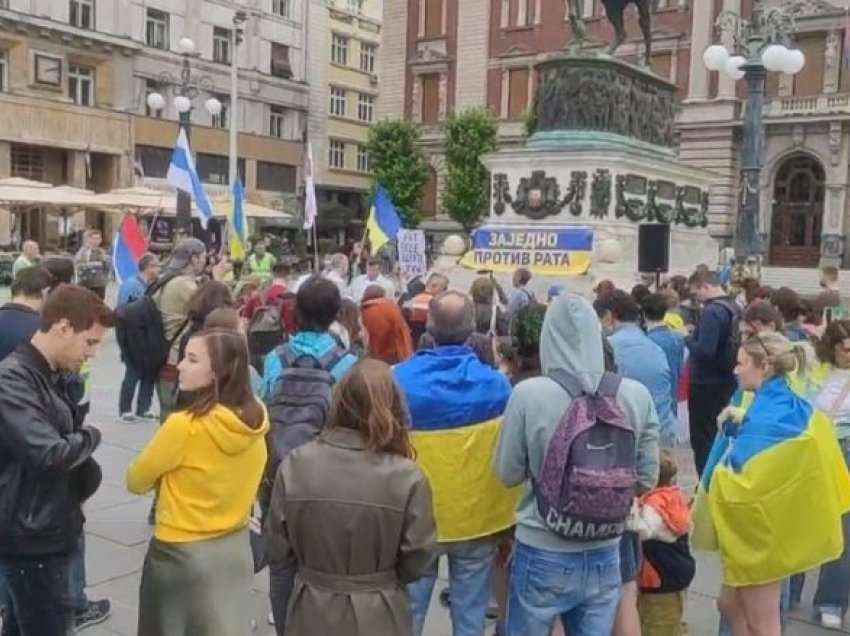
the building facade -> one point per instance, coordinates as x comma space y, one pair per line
345, 60
448, 55
75, 74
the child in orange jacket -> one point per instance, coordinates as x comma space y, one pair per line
662, 520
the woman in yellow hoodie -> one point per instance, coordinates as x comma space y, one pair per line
206, 462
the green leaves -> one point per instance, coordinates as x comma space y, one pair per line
399, 165
469, 135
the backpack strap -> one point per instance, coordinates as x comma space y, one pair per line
609, 385
160, 284
328, 361
566, 382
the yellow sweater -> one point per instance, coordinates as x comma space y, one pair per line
208, 470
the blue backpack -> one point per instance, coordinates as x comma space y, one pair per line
588, 480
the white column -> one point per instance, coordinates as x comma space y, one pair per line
726, 87
700, 40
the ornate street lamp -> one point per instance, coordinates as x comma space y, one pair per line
760, 44
188, 87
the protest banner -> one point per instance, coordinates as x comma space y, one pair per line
411, 252
553, 250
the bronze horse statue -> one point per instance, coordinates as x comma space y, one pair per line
614, 9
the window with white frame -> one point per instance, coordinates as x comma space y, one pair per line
365, 107
220, 120
339, 49
338, 101
4, 66
81, 14
367, 57
355, 6
336, 154
283, 8
81, 84
277, 121
151, 86
156, 29
221, 45
362, 159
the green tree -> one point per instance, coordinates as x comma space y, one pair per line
399, 165
469, 135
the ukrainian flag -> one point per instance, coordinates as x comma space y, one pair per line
384, 223
774, 491
456, 405
236, 218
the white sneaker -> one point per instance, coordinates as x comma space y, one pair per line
128, 418
828, 620
271, 618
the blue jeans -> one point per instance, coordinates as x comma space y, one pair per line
37, 591
470, 570
128, 389
76, 595
583, 588
834, 580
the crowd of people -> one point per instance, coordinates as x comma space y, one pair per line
346, 429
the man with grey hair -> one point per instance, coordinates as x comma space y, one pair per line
130, 290
186, 263
456, 404
29, 256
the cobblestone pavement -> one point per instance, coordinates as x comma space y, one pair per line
117, 531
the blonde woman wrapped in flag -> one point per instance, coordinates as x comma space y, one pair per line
773, 492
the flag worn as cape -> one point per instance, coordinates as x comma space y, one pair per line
456, 404
774, 491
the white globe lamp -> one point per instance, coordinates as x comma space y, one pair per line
775, 57
733, 65
182, 104
715, 57
213, 106
155, 101
794, 62
186, 45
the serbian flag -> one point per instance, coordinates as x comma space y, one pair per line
774, 490
128, 246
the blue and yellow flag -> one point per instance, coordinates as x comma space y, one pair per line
456, 404
384, 223
236, 218
773, 491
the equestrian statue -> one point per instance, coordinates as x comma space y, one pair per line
614, 9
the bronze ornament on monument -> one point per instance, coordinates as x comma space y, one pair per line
601, 154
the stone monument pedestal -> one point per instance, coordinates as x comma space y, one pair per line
602, 155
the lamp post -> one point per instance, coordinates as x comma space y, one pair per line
188, 87
239, 18
760, 45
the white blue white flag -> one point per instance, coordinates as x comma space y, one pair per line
183, 176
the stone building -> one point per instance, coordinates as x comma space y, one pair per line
345, 59
74, 76
446, 55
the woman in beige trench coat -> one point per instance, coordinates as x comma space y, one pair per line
352, 512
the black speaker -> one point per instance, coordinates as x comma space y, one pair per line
654, 248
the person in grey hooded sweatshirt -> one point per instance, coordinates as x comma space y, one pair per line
552, 576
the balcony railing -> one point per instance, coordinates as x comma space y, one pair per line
812, 106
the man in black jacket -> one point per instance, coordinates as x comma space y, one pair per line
712, 361
46, 464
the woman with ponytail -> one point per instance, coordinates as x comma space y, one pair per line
774, 489
352, 512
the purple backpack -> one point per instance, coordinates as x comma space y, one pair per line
588, 481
